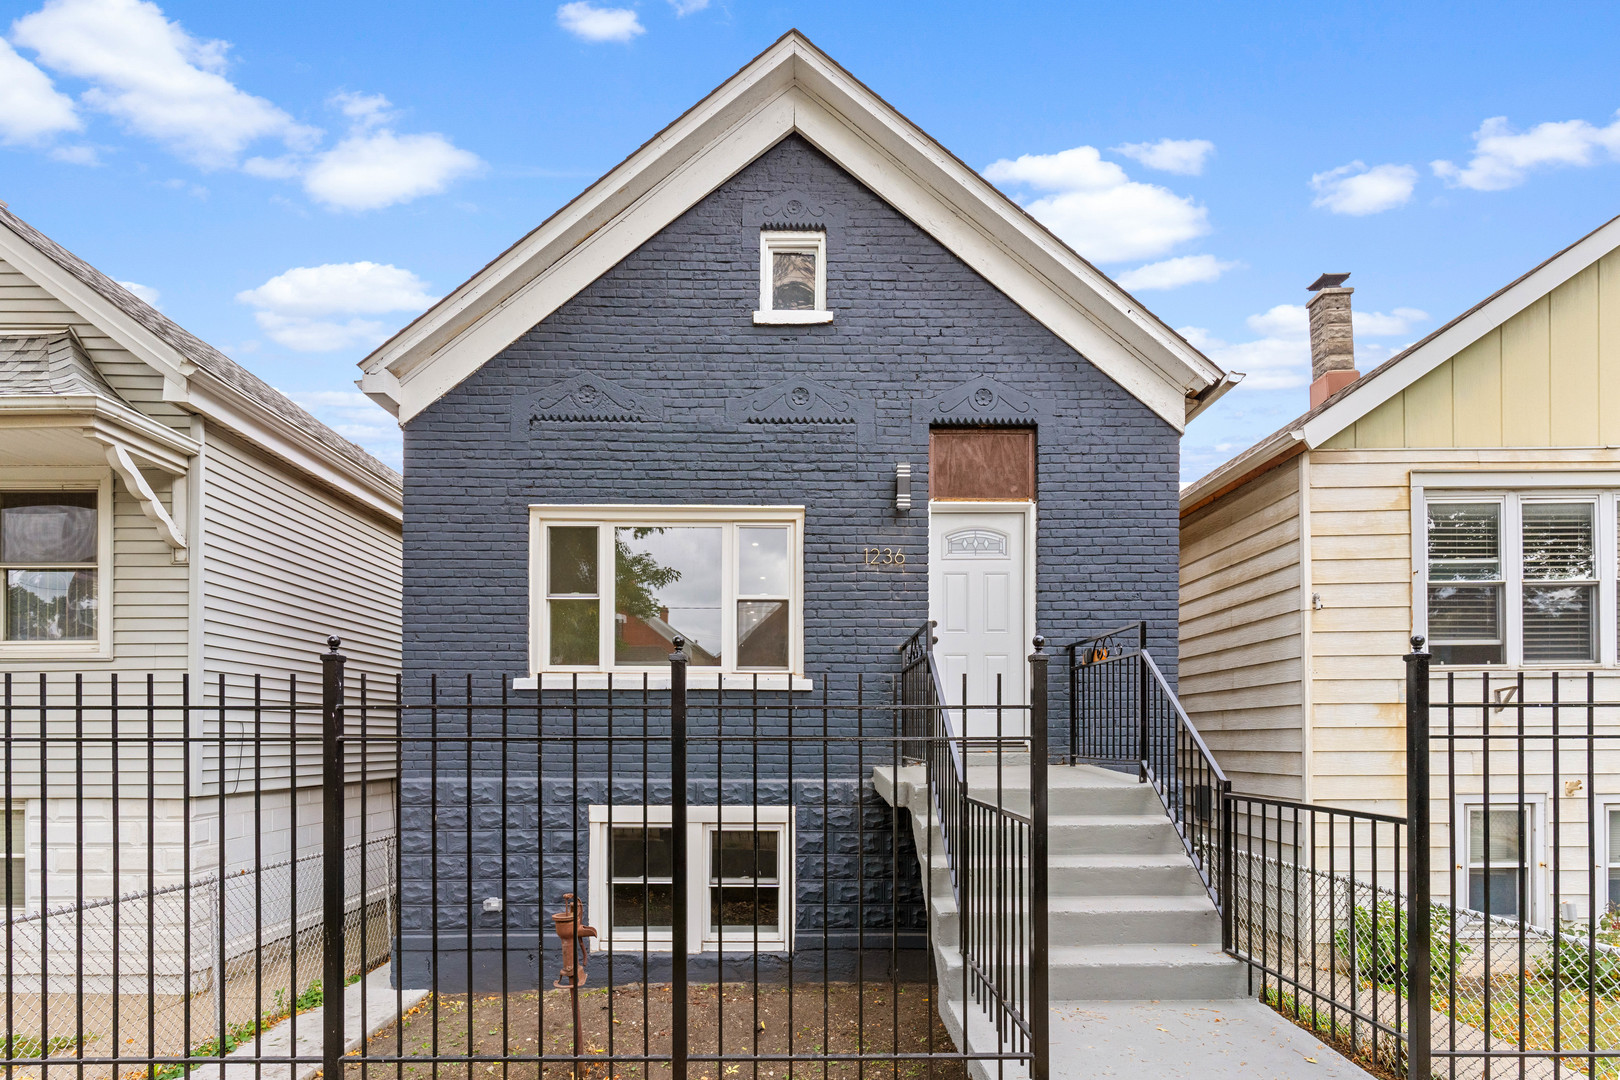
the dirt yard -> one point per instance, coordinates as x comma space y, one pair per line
635, 1020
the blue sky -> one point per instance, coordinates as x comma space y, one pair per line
296, 180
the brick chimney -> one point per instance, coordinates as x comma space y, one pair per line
1333, 352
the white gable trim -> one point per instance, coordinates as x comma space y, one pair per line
1461, 333
186, 385
791, 87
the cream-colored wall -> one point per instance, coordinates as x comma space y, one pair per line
1361, 567
1240, 673
1549, 376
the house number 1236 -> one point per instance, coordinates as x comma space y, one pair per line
883, 556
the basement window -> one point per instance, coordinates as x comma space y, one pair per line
792, 278
739, 888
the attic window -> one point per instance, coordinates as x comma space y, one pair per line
792, 278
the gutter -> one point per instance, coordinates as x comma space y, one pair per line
1209, 395
1243, 468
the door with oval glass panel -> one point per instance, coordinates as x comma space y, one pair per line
980, 522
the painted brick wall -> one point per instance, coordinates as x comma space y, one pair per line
672, 324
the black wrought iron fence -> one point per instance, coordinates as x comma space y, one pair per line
640, 879
981, 763
1478, 934
166, 895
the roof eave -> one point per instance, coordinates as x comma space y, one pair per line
753, 101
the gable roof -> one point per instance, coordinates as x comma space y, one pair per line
791, 87
1315, 427
236, 397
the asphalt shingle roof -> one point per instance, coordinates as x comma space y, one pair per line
199, 352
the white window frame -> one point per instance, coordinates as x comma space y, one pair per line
701, 822
1599, 904
1511, 493
1536, 884
18, 816
100, 481
772, 241
605, 674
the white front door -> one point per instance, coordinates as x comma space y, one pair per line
978, 596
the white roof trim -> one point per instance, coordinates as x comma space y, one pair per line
1461, 333
186, 384
791, 87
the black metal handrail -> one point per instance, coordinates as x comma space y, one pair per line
1122, 711
995, 857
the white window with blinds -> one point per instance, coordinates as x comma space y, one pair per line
1521, 579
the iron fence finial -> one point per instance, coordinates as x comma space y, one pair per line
333, 642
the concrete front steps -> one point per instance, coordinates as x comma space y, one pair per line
1129, 917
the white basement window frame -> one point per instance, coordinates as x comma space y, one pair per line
617, 662
782, 253
16, 566
1521, 582
704, 824
1526, 877
16, 869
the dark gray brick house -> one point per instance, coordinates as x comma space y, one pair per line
785, 384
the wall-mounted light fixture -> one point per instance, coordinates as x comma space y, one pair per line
902, 486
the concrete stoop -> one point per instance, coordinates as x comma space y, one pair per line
1129, 917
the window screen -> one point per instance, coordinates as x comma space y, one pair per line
1559, 623
1466, 583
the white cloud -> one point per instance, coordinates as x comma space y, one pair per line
31, 109
145, 292
372, 169
1280, 358
1377, 324
1184, 156
159, 80
76, 155
687, 7
319, 308
364, 110
1503, 157
358, 419
1174, 273
1097, 209
1357, 190
591, 23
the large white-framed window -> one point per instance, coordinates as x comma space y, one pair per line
740, 888
792, 277
614, 586
1521, 578
1500, 870
55, 562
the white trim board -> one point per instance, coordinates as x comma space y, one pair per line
1462, 332
790, 87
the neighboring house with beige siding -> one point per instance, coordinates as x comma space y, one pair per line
1467, 490
165, 513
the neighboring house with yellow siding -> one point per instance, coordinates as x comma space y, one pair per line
1467, 490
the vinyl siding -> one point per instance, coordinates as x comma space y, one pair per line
1361, 566
1241, 642
285, 565
1549, 376
23, 303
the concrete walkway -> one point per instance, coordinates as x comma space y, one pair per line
1188, 1040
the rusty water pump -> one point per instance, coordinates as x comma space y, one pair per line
571, 932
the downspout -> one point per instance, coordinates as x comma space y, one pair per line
1307, 606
